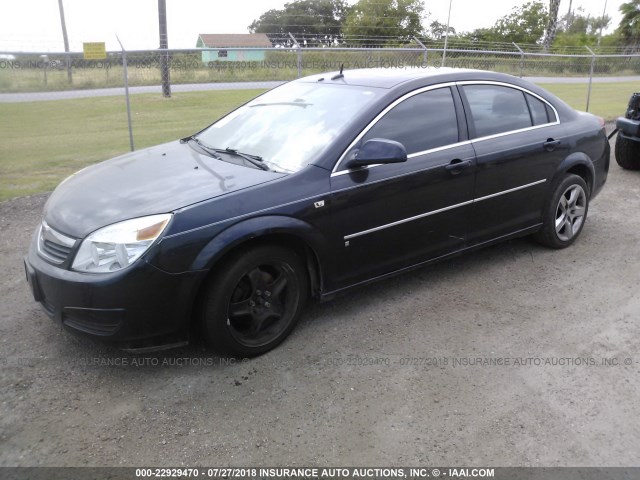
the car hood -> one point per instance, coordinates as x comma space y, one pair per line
154, 180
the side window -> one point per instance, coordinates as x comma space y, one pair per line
551, 114
496, 109
538, 110
422, 122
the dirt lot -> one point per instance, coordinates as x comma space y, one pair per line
405, 372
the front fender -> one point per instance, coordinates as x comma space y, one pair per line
257, 227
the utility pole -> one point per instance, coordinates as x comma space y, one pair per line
604, 12
446, 35
164, 45
66, 40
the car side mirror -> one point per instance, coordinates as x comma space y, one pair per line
378, 150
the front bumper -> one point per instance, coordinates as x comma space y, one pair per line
628, 128
138, 308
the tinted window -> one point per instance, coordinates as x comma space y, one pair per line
496, 109
551, 114
422, 122
538, 110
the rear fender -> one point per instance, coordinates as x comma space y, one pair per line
579, 163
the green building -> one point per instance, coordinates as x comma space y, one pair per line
222, 45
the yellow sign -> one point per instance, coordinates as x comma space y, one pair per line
94, 51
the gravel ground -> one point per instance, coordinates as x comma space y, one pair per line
341, 390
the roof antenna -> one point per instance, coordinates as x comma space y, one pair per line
339, 75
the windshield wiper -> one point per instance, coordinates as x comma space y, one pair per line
290, 104
210, 150
252, 159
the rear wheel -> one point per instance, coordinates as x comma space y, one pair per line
254, 301
627, 153
565, 213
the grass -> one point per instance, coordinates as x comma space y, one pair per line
44, 142
608, 100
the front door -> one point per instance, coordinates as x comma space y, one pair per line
396, 215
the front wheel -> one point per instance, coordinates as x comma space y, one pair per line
565, 213
254, 301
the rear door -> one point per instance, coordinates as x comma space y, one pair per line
392, 216
518, 143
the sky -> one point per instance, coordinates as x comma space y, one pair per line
34, 25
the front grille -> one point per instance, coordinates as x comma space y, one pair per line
54, 250
53, 245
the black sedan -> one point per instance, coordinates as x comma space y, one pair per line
322, 184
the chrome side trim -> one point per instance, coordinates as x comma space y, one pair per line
520, 130
411, 155
405, 220
439, 149
517, 87
440, 210
513, 132
518, 233
336, 172
486, 197
385, 179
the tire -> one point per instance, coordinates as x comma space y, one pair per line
565, 213
627, 153
254, 301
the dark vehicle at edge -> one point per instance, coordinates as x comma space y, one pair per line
322, 184
627, 150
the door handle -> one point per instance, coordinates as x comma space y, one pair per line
551, 144
457, 165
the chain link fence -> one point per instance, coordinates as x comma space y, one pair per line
105, 111
40, 76
26, 72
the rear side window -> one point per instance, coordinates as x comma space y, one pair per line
421, 122
496, 109
551, 114
538, 110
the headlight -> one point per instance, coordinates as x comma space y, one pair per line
117, 246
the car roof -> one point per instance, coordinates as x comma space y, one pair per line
385, 77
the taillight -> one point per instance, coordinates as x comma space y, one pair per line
601, 120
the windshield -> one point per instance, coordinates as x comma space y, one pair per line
289, 126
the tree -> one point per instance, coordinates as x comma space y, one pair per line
579, 30
525, 24
371, 19
315, 21
439, 30
629, 27
552, 24
482, 35
583, 24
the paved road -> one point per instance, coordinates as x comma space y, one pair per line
106, 92
198, 87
